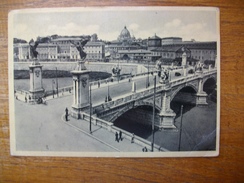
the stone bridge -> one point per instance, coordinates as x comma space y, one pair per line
164, 94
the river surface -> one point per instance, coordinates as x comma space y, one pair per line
198, 128
48, 83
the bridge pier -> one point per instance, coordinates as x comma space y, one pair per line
36, 88
201, 96
81, 90
167, 115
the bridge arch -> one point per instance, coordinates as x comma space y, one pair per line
213, 77
182, 87
130, 107
209, 85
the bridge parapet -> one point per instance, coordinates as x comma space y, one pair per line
110, 127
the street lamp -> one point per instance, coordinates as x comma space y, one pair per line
57, 81
90, 111
108, 98
153, 121
181, 114
147, 83
53, 82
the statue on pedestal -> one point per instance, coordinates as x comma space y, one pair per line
116, 70
36, 91
80, 47
33, 53
163, 73
199, 66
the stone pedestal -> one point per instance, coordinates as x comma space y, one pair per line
80, 90
201, 98
167, 115
167, 119
36, 87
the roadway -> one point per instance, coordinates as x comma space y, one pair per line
41, 127
118, 89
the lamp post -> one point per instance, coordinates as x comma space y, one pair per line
181, 114
90, 127
148, 83
153, 121
53, 82
56, 81
108, 98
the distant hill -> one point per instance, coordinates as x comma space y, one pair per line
16, 40
48, 39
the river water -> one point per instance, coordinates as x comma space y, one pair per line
198, 128
48, 83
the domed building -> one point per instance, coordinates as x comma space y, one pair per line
154, 42
124, 35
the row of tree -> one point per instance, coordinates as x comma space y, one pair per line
48, 39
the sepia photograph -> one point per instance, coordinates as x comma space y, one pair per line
114, 82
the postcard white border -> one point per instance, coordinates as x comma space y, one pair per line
13, 150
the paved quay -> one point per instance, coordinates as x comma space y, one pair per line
103, 136
43, 128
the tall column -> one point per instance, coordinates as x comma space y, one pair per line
167, 115
184, 57
201, 95
36, 87
80, 90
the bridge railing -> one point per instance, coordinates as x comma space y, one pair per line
22, 92
125, 134
61, 91
209, 71
98, 122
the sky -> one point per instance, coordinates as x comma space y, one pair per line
200, 24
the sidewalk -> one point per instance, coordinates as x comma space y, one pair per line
104, 136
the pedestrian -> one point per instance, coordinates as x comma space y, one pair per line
25, 99
66, 114
98, 84
116, 137
29, 97
120, 135
132, 138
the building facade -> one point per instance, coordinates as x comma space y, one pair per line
61, 49
95, 50
171, 40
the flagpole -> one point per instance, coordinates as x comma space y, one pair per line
57, 81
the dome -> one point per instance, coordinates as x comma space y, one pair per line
154, 37
124, 35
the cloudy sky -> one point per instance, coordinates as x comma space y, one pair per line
200, 24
